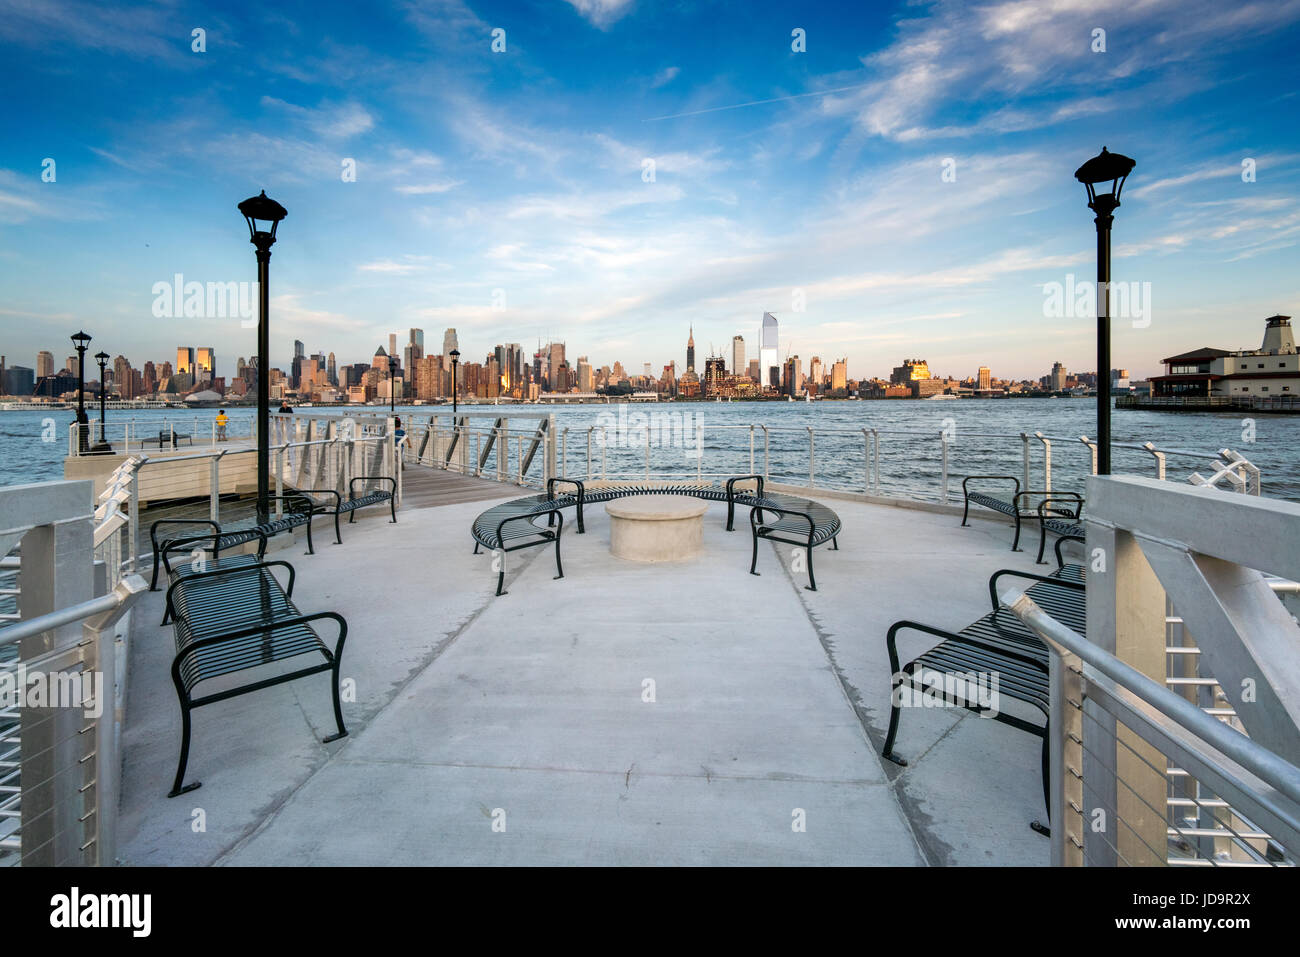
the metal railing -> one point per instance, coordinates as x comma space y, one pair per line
1173, 734
124, 437
924, 462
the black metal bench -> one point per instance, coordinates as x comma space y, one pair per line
235, 620
998, 644
798, 521
166, 438
512, 525
339, 505
1016, 506
300, 511
589, 492
1063, 522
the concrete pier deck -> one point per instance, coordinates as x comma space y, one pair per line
627, 714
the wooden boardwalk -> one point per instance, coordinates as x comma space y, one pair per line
425, 487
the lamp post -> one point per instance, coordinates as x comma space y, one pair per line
392, 383
455, 360
81, 342
1113, 168
102, 447
260, 211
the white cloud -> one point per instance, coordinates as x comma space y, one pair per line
602, 13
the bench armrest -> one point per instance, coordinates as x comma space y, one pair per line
993, 594
352, 490
1072, 498
731, 484
984, 478
153, 529
891, 639
338, 499
766, 505
1060, 559
551, 483
261, 628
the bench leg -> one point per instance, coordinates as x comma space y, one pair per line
753, 559
835, 543
581, 527
965, 511
895, 709
179, 786
311, 550
392, 508
338, 538
153, 585
1042, 541
558, 567
1015, 543
812, 582
731, 515
476, 548
338, 710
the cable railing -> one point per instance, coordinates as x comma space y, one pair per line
123, 437
1174, 750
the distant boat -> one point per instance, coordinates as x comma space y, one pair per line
807, 396
941, 395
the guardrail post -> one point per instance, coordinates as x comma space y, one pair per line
589, 428
812, 455
1047, 461
751, 450
1092, 448
943, 442
1024, 461
134, 528
1159, 457
647, 453
875, 459
866, 463
279, 480
214, 487
767, 474
699, 450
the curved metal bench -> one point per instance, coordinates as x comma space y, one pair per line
998, 644
600, 490
1063, 522
512, 525
233, 620
799, 521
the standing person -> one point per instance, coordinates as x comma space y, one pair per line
222, 421
284, 407
399, 433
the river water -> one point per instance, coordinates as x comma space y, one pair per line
983, 439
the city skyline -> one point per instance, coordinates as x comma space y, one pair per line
899, 184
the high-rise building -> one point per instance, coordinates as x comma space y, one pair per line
392, 344
754, 371
44, 364
184, 360
738, 355
909, 371
586, 381
295, 364
331, 371
815, 372
983, 378
555, 360
690, 350
1057, 378
448, 344
767, 345
840, 375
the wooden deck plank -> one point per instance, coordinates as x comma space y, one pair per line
424, 487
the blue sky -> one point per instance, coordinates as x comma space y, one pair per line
775, 171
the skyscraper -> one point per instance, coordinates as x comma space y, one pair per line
184, 360
767, 345
205, 363
738, 355
690, 350
449, 343
983, 377
331, 371
44, 364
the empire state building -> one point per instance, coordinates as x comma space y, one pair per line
690, 351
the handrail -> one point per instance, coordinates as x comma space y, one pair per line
1269, 767
124, 592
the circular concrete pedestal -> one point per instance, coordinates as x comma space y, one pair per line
655, 528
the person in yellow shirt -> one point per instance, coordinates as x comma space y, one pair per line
222, 421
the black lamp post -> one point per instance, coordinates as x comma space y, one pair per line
81, 342
261, 211
1112, 168
455, 360
102, 446
392, 383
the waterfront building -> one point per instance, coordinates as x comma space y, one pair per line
767, 355
738, 355
840, 375
690, 350
1269, 371
185, 359
449, 344
909, 371
44, 364
983, 379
